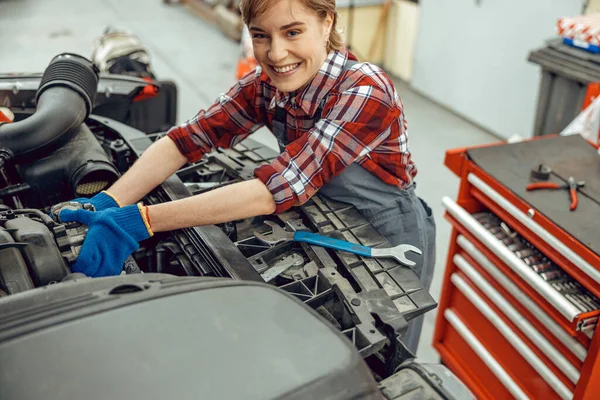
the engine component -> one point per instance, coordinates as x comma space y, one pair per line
70, 236
40, 253
64, 99
424, 381
6, 157
80, 167
130, 266
69, 239
14, 277
121, 52
68, 205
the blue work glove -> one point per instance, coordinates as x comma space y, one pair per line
112, 236
101, 201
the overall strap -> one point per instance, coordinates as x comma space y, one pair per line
280, 119
280, 127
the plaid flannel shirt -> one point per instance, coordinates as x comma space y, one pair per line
362, 121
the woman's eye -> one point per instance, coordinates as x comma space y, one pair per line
293, 33
258, 36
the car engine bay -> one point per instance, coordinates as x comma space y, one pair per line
74, 134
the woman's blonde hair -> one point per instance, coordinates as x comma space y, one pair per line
253, 8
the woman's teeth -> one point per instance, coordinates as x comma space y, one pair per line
285, 69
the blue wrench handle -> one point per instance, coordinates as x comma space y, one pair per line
331, 243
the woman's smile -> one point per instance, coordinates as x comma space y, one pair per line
285, 70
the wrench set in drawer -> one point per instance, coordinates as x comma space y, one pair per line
568, 287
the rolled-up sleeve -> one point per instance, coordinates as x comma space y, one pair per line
353, 123
234, 115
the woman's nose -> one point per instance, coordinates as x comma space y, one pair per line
278, 51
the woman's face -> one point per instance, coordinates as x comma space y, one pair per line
289, 43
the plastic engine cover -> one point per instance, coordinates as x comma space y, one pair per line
14, 277
40, 254
181, 338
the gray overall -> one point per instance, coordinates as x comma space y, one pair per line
398, 214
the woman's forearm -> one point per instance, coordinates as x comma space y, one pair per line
228, 203
161, 160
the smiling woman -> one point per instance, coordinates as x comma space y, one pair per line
291, 39
341, 130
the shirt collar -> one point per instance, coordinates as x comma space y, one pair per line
310, 97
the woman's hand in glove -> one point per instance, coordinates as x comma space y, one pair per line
113, 234
101, 201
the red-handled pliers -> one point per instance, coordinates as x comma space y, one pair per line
572, 185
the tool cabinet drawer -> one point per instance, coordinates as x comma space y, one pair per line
563, 250
468, 358
551, 352
556, 342
529, 370
538, 277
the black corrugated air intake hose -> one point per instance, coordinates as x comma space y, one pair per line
56, 153
64, 100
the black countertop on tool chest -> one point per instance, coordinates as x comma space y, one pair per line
511, 164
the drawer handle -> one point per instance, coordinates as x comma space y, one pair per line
528, 354
573, 345
563, 306
485, 355
533, 226
525, 326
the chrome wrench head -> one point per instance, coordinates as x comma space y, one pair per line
397, 252
400, 253
277, 235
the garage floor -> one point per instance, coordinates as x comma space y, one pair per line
201, 60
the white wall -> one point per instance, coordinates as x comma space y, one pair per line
471, 56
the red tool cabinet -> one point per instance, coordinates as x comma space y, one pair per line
503, 328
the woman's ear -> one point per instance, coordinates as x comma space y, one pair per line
327, 23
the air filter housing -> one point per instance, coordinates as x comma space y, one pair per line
79, 168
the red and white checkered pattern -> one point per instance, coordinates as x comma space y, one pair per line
584, 28
362, 121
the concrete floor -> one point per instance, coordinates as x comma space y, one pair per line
202, 61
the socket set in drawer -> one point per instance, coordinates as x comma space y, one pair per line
562, 282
